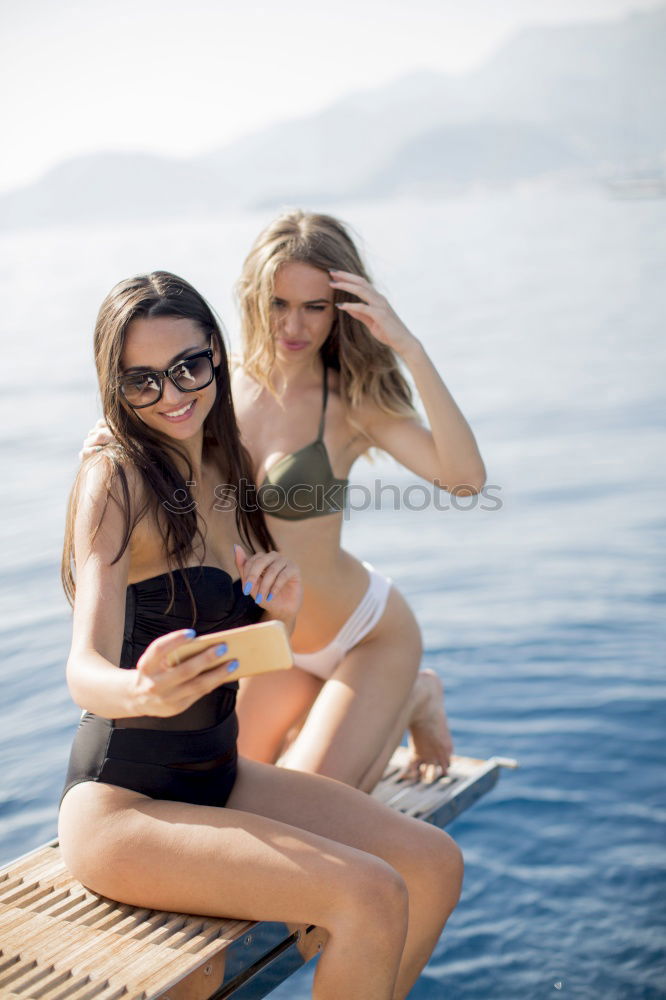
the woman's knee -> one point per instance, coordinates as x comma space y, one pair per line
75, 838
442, 865
88, 862
96, 839
376, 893
99, 862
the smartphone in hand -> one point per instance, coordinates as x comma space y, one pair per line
258, 648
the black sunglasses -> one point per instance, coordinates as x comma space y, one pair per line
189, 375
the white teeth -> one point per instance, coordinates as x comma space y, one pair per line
179, 413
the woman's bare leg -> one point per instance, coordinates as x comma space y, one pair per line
291, 847
357, 710
429, 736
268, 705
273, 709
226, 862
427, 858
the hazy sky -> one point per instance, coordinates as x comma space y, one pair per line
182, 76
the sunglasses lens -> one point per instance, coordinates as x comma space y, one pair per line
141, 390
194, 374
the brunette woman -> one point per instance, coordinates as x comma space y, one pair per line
158, 809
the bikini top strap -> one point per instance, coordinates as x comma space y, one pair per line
320, 433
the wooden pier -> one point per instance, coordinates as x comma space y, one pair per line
58, 941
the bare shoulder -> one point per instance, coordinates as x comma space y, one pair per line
113, 515
245, 389
239, 377
349, 420
101, 553
110, 501
102, 477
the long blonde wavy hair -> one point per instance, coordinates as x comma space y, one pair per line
369, 370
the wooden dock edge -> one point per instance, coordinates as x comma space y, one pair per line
58, 940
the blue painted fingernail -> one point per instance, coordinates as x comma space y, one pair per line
269, 598
232, 666
247, 588
259, 598
189, 633
222, 648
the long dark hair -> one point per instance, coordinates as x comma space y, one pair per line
137, 445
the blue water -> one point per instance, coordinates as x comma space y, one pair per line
545, 618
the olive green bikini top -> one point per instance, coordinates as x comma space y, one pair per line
302, 485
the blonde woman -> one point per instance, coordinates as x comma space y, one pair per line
158, 809
318, 385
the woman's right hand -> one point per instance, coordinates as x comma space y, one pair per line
162, 690
96, 438
270, 576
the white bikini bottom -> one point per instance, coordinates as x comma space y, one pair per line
362, 620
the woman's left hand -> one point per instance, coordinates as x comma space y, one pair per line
273, 581
373, 310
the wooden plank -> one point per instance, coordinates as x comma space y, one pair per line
440, 801
59, 941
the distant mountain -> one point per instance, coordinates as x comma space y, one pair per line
573, 100
452, 158
600, 85
111, 186
334, 150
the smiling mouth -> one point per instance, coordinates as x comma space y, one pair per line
182, 413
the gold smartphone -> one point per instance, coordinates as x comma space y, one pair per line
258, 648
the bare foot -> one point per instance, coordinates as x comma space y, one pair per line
430, 741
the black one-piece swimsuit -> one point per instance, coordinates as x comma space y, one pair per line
189, 757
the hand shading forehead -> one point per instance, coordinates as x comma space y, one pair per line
159, 341
299, 282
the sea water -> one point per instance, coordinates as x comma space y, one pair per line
542, 608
